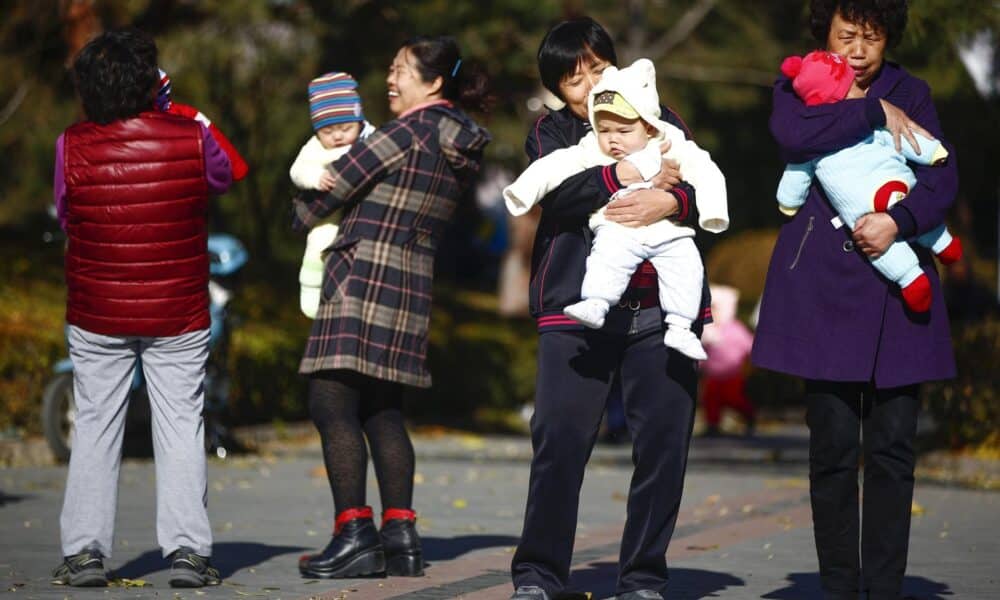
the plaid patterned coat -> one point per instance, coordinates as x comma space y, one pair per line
399, 189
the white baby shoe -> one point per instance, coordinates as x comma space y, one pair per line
590, 312
684, 341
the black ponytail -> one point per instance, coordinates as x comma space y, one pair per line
462, 82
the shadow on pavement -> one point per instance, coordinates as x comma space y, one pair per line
448, 548
807, 585
6, 498
685, 584
227, 557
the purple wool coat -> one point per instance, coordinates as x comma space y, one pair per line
826, 313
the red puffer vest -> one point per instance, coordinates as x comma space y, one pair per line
136, 197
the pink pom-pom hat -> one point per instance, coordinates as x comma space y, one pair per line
819, 77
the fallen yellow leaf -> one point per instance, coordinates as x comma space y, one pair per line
788, 482
128, 583
472, 442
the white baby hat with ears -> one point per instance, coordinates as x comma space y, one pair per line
637, 84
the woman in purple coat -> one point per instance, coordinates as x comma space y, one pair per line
827, 316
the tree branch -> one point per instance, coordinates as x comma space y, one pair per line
680, 31
717, 74
19, 95
80, 25
635, 38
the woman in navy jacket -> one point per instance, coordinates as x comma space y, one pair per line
828, 317
576, 367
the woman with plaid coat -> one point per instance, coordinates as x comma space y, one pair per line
399, 188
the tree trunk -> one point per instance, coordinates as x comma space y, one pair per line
80, 25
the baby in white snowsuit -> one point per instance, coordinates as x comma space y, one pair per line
624, 114
335, 108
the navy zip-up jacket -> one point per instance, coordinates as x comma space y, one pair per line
563, 238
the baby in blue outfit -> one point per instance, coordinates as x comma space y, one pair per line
869, 176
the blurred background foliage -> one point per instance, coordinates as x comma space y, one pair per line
247, 64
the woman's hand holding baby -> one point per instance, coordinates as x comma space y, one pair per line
647, 206
902, 126
874, 233
642, 207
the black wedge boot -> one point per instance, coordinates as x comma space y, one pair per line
354, 551
403, 554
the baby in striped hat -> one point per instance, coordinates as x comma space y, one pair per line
338, 122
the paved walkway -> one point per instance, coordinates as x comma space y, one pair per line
744, 531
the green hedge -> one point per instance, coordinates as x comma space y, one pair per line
967, 408
483, 364
31, 341
768, 389
32, 307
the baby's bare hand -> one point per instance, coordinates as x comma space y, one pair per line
627, 173
325, 182
669, 175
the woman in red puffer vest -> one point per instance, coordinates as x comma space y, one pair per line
132, 187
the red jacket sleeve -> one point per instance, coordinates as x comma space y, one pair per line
239, 166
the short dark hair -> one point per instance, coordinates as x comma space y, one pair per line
568, 43
462, 82
887, 16
116, 75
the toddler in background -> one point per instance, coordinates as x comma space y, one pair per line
728, 342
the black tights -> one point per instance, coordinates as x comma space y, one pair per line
348, 407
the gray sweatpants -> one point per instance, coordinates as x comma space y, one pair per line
103, 368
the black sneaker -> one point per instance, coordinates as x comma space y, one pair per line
190, 570
85, 569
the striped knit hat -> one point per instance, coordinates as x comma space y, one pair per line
333, 98
163, 94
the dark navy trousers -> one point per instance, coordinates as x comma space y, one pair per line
576, 370
848, 421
